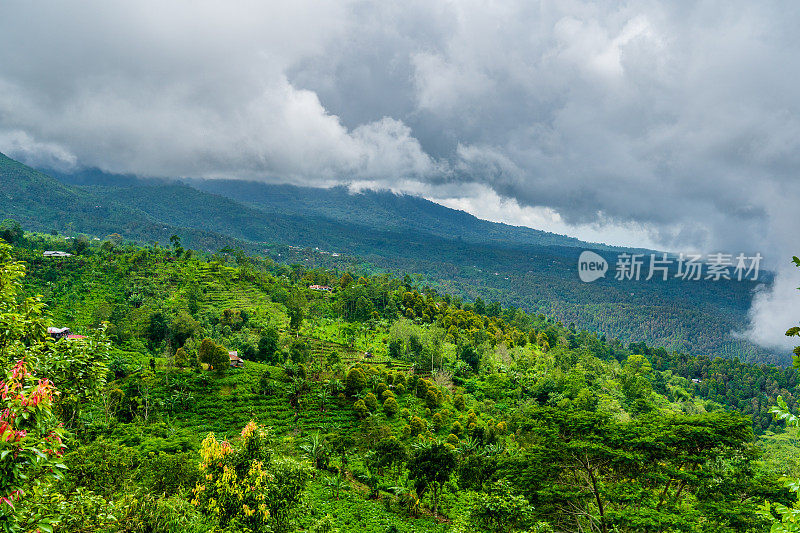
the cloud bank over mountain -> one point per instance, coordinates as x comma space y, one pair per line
670, 122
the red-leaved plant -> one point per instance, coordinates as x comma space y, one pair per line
31, 437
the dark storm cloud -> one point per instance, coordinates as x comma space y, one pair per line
680, 119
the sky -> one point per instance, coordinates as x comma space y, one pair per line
666, 124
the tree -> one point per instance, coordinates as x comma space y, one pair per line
11, 231
459, 403
468, 354
183, 327
295, 308
25, 324
342, 444
214, 355
594, 466
789, 516
417, 426
176, 245
636, 383
498, 509
268, 346
233, 318
80, 244
157, 330
31, 436
244, 484
480, 307
181, 358
795, 331
390, 452
363, 309
78, 368
299, 351
316, 450
430, 467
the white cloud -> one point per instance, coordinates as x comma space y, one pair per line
670, 122
29, 151
774, 311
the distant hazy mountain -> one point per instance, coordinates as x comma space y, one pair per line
380, 210
455, 251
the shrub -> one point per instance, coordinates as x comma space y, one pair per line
31, 445
371, 402
498, 507
150, 512
360, 409
457, 428
333, 359
389, 451
417, 426
101, 466
459, 403
265, 384
433, 397
356, 381
390, 407
181, 358
164, 473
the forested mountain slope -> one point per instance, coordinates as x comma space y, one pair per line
382, 231
378, 405
381, 210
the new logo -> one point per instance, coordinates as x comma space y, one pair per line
591, 266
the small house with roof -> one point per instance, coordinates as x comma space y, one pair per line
235, 360
58, 333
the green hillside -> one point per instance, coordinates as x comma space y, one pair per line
454, 251
370, 391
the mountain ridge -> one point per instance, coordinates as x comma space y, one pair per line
381, 208
697, 318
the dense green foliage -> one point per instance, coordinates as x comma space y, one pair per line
386, 406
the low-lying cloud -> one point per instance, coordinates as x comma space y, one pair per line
676, 122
